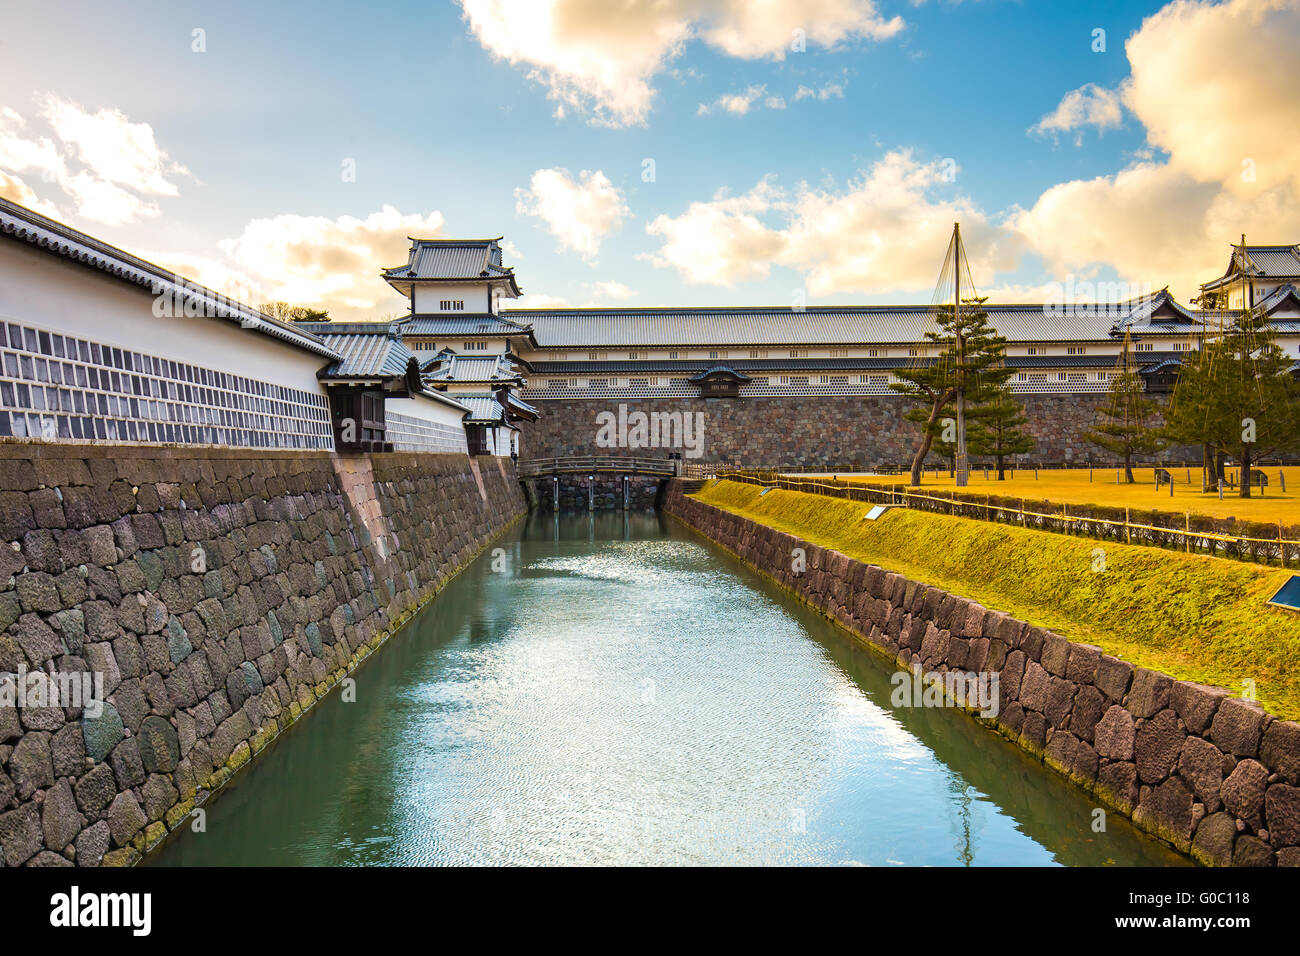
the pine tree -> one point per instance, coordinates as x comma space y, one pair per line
1185, 420
996, 428
1239, 398
1126, 427
972, 359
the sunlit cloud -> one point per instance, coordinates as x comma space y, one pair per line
313, 260
1088, 106
108, 167
579, 212
876, 234
1228, 165
601, 60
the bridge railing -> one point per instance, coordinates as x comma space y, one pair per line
591, 464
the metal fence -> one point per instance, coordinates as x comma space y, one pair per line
1198, 533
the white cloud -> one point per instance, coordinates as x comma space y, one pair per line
1089, 105
15, 190
825, 93
537, 300
107, 166
611, 291
1229, 165
116, 149
879, 234
600, 59
312, 260
580, 212
722, 241
739, 104
217, 274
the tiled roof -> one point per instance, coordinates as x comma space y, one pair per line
483, 409
1160, 366
1274, 260
20, 223
1286, 297
1159, 312
461, 325
367, 355
762, 366
347, 328
451, 260
448, 367
1265, 262
1282, 296
725, 369
519, 403
847, 325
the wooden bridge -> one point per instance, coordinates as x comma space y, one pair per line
591, 465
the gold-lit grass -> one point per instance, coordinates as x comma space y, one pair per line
1194, 617
1073, 487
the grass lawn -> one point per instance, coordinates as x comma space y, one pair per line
1194, 617
1073, 487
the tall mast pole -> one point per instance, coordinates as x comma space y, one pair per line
1248, 291
963, 475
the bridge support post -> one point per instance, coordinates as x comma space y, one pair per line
555, 494
627, 493
591, 492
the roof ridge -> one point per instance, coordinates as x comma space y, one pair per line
286, 331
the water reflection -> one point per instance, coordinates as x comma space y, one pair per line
621, 692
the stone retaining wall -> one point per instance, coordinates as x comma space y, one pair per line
1215, 776
827, 432
218, 594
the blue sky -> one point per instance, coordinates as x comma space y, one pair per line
440, 124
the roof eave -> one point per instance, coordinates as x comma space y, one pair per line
120, 264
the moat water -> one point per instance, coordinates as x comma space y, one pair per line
616, 690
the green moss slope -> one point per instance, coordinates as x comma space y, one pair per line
1194, 617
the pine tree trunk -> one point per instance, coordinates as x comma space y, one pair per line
919, 458
1001, 469
1128, 468
1244, 490
927, 439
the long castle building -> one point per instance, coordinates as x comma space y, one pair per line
99, 345
810, 388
